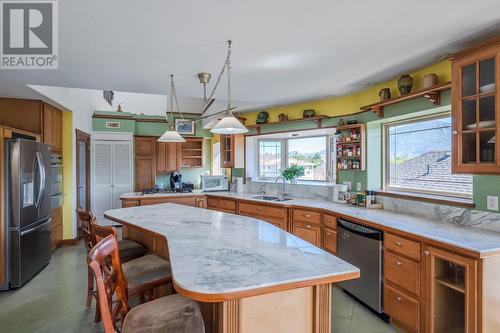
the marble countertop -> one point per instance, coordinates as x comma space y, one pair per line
214, 253
139, 195
483, 242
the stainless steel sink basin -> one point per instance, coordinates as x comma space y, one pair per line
271, 198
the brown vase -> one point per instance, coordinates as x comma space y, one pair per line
385, 94
430, 80
405, 84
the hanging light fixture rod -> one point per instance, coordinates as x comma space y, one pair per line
171, 135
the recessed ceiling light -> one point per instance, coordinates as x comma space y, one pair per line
442, 56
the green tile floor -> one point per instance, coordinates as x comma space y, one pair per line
54, 302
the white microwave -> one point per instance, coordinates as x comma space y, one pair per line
214, 183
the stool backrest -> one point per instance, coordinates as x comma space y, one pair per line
84, 227
99, 232
110, 280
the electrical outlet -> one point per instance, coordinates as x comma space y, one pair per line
348, 185
492, 202
358, 186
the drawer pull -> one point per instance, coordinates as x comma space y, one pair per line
399, 299
258, 208
308, 226
306, 215
427, 252
398, 243
328, 234
398, 263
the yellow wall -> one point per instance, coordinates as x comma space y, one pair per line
338, 106
67, 155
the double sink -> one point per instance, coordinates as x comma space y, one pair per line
271, 198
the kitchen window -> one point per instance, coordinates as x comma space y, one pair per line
275, 155
418, 158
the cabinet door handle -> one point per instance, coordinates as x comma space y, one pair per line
398, 243
306, 215
258, 208
427, 252
455, 132
308, 226
398, 263
399, 299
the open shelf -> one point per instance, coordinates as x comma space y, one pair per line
433, 94
350, 147
448, 282
316, 119
192, 153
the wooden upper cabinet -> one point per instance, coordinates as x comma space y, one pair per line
21, 114
52, 127
226, 151
167, 157
232, 151
145, 162
475, 109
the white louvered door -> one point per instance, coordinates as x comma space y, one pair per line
113, 176
122, 171
103, 177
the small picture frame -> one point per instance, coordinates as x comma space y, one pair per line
185, 126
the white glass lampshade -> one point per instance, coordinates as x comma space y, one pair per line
229, 125
211, 123
171, 136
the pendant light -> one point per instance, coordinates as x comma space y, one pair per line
171, 135
229, 124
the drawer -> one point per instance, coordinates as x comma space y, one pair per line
276, 221
146, 202
402, 272
130, 203
261, 210
402, 307
212, 203
227, 205
309, 232
330, 240
330, 221
306, 216
403, 246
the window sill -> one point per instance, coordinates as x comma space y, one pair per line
432, 198
300, 182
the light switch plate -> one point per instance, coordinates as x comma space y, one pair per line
492, 202
358, 186
349, 185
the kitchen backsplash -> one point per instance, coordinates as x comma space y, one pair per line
441, 213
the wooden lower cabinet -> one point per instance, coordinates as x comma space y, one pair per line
227, 206
450, 292
212, 203
57, 228
309, 232
188, 200
402, 272
403, 308
330, 240
273, 214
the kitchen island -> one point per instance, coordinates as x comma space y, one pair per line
249, 275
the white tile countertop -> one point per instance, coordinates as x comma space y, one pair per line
483, 242
215, 253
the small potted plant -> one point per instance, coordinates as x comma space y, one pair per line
292, 172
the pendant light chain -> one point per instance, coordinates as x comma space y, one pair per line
228, 64
219, 78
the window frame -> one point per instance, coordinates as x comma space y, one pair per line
330, 174
386, 158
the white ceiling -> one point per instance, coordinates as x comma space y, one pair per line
283, 51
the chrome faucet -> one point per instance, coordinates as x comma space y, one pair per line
284, 194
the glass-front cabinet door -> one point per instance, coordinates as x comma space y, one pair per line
476, 113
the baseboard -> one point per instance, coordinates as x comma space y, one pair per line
68, 242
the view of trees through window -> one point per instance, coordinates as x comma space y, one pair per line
310, 153
419, 157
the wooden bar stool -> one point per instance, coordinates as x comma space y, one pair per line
128, 248
170, 314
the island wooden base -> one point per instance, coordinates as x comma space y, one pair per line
300, 310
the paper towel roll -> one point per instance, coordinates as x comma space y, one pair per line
239, 184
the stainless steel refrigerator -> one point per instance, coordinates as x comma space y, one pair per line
28, 222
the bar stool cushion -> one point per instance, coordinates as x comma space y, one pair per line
130, 249
170, 314
144, 271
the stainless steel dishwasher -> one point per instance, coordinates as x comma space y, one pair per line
362, 247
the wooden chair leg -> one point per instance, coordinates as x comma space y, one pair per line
97, 317
90, 287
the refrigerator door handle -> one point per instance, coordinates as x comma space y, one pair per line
41, 168
25, 232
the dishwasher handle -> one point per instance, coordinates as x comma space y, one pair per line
360, 230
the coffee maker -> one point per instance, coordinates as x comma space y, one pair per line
340, 193
175, 180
